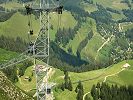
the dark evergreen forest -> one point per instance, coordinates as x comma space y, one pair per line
106, 92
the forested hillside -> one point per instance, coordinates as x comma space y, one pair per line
90, 42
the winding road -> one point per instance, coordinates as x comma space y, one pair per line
105, 78
112, 75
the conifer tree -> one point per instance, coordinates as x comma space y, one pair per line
70, 85
80, 91
66, 78
80, 95
62, 87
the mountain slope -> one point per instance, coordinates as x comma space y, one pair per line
9, 91
92, 77
101, 21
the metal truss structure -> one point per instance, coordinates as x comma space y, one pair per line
39, 49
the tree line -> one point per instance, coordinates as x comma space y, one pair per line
64, 35
58, 57
83, 43
5, 14
89, 1
68, 85
129, 34
101, 15
113, 10
127, 2
17, 45
14, 71
67, 82
129, 15
104, 91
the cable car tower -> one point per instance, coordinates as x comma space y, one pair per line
39, 48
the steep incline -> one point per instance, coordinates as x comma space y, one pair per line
9, 91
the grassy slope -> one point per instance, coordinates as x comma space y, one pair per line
17, 26
88, 7
12, 5
58, 78
113, 4
9, 92
25, 84
22, 84
91, 48
117, 16
93, 45
81, 34
6, 55
123, 78
3, 95
65, 20
126, 26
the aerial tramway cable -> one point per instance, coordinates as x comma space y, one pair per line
39, 48
59, 10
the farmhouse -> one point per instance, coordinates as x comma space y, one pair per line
126, 65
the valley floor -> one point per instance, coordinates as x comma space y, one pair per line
110, 75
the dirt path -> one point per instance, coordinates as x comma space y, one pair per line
105, 78
106, 42
120, 28
85, 95
112, 75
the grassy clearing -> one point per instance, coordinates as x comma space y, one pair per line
17, 26
58, 78
66, 95
25, 84
113, 4
126, 26
88, 7
117, 16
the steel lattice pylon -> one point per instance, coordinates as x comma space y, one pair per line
39, 50
41, 46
